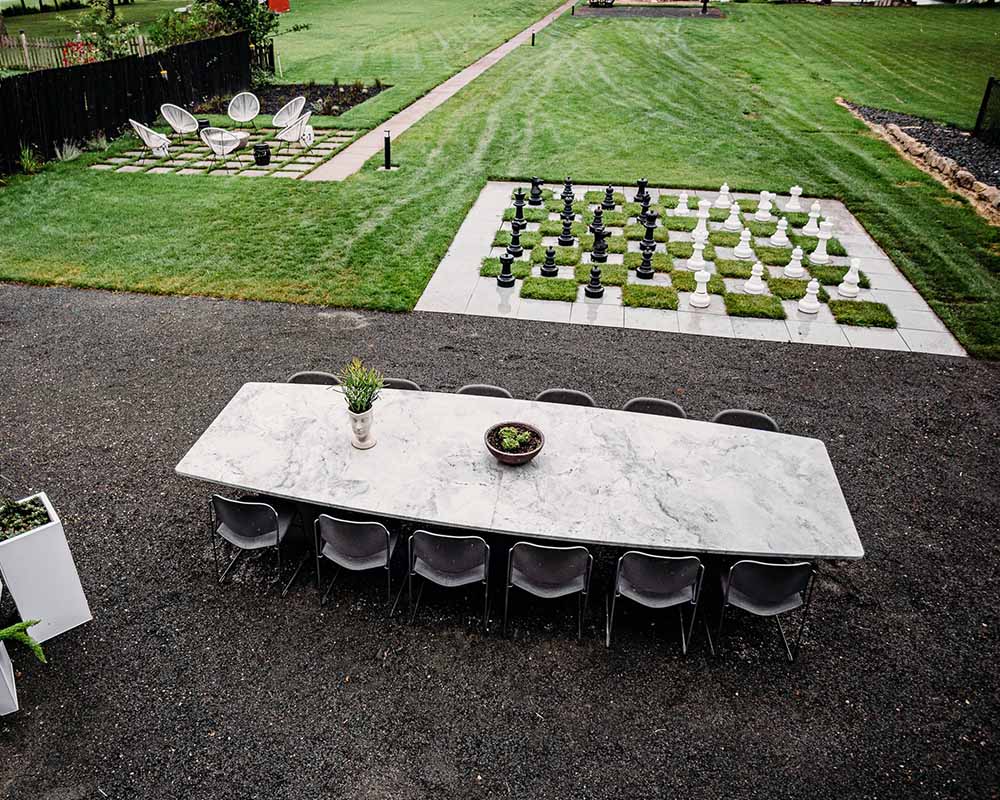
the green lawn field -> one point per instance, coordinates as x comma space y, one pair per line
748, 99
49, 24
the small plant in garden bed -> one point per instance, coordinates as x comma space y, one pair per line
863, 313
561, 289
662, 262
529, 239
360, 386
793, 289
683, 280
19, 633
491, 268
754, 305
611, 274
20, 517
323, 99
642, 296
831, 275
686, 250
565, 256
530, 215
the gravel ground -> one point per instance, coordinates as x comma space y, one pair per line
184, 689
979, 158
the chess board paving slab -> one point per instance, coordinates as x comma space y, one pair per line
281, 173
190, 171
160, 170
103, 167
129, 168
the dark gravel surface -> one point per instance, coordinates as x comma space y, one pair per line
979, 158
184, 689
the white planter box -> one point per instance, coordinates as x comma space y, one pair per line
40, 575
8, 691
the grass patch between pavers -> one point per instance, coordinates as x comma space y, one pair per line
562, 289
772, 256
556, 206
862, 313
796, 219
611, 274
565, 256
616, 244
612, 219
724, 238
718, 214
553, 227
662, 262
683, 280
733, 267
491, 268
598, 197
686, 224
642, 296
529, 239
761, 306
832, 275
793, 289
761, 228
530, 214
686, 250
747, 206
808, 244
547, 194
636, 232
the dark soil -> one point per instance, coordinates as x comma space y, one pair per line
495, 439
979, 158
647, 11
181, 688
325, 99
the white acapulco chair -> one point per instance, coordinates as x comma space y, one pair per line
220, 141
180, 120
151, 140
294, 132
244, 108
288, 113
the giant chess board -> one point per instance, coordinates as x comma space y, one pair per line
777, 267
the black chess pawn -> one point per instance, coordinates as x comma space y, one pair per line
608, 204
645, 269
599, 254
566, 237
549, 268
641, 193
594, 287
598, 220
514, 249
644, 211
535, 197
650, 226
519, 204
567, 191
506, 276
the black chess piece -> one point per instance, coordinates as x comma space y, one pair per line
506, 276
567, 191
568, 207
519, 204
641, 193
644, 211
599, 253
549, 268
594, 287
535, 196
608, 204
650, 226
645, 269
515, 249
566, 237
598, 220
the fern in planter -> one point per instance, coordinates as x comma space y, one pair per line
19, 633
360, 386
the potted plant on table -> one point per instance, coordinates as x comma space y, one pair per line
8, 689
361, 386
514, 442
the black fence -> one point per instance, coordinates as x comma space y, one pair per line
44, 109
988, 121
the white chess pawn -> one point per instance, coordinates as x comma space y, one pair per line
763, 207
756, 283
780, 237
812, 226
810, 303
849, 286
700, 298
819, 255
697, 260
723, 200
743, 249
682, 205
794, 204
733, 222
793, 269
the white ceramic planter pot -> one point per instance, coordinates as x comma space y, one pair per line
361, 429
8, 691
40, 575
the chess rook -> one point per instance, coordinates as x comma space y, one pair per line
506, 276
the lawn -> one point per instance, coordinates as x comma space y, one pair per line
748, 100
49, 24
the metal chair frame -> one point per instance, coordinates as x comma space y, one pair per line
570, 397
401, 383
213, 527
485, 390
319, 558
314, 377
654, 405
759, 420
584, 593
410, 573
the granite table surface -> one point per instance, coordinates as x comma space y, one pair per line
604, 477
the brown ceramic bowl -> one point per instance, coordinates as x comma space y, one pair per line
514, 458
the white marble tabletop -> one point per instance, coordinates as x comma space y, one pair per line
604, 476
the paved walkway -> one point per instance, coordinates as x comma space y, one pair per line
352, 159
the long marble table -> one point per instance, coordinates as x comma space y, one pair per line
604, 476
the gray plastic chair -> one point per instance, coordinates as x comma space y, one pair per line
768, 590
485, 390
742, 418
449, 561
658, 582
401, 383
570, 397
549, 572
320, 378
654, 405
253, 523
356, 546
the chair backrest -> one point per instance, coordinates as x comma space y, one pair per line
485, 390
544, 568
321, 378
658, 575
294, 130
400, 383
654, 405
289, 112
244, 107
353, 539
742, 418
252, 520
450, 555
219, 140
769, 584
153, 140
570, 397
177, 118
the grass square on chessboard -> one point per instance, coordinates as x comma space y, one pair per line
565, 256
640, 296
683, 280
832, 275
686, 250
762, 306
792, 289
662, 262
862, 312
611, 274
561, 289
491, 268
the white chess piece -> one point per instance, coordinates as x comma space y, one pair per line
697, 260
734, 222
723, 200
780, 238
763, 207
810, 303
819, 255
849, 286
700, 298
756, 283
812, 226
703, 213
794, 204
743, 250
793, 269
682, 205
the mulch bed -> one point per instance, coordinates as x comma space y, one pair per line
979, 158
647, 11
321, 98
